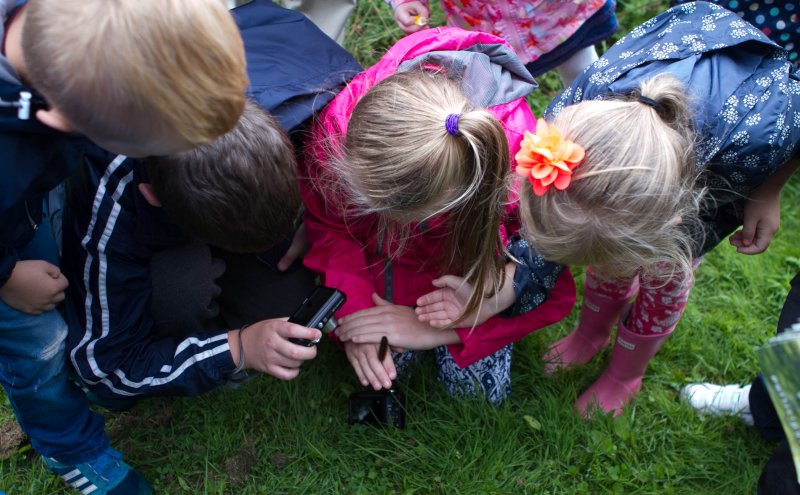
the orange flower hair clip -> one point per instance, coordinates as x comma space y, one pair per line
546, 158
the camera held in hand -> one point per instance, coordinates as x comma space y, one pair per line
317, 311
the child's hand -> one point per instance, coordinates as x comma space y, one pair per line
297, 249
411, 16
369, 369
399, 324
267, 347
443, 307
35, 286
762, 218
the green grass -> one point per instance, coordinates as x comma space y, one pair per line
276, 437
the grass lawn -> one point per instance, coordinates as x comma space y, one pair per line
275, 437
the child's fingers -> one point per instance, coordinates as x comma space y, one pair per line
444, 323
51, 269
747, 234
388, 365
434, 318
357, 368
59, 296
450, 281
735, 239
358, 326
433, 308
371, 370
427, 299
282, 373
379, 301
286, 362
368, 338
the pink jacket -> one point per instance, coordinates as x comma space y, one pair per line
347, 249
533, 27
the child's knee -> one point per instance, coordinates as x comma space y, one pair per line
488, 378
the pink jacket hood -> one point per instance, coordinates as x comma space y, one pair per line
491, 75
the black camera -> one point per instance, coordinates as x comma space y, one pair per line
381, 408
316, 311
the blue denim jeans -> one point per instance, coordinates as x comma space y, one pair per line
51, 410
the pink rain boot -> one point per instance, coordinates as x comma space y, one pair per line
597, 318
622, 378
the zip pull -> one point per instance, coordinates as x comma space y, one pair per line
24, 111
23, 105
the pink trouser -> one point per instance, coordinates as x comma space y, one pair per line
660, 302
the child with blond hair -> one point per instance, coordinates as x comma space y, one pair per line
140, 77
684, 131
406, 183
545, 35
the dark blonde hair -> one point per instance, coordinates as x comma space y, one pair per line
632, 202
238, 192
400, 162
137, 71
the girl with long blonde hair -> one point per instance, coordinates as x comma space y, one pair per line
408, 187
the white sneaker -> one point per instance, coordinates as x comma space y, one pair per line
719, 400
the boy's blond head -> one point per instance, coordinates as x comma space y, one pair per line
147, 73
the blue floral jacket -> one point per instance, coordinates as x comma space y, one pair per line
746, 98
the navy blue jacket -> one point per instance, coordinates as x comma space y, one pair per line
33, 159
111, 233
294, 68
746, 98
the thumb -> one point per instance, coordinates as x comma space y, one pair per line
52, 270
450, 281
379, 301
288, 258
748, 233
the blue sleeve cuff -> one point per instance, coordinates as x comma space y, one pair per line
534, 277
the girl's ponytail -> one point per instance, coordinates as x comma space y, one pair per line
477, 220
671, 103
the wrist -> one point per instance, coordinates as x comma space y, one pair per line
447, 337
506, 296
236, 345
396, 3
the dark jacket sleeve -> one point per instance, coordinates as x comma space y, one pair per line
111, 339
8, 260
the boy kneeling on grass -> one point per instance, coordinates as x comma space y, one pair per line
72, 70
143, 314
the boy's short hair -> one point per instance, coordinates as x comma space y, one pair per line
145, 72
238, 192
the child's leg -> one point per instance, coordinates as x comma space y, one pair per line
654, 315
764, 414
603, 300
489, 377
50, 409
574, 65
403, 361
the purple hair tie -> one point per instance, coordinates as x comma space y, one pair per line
451, 124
